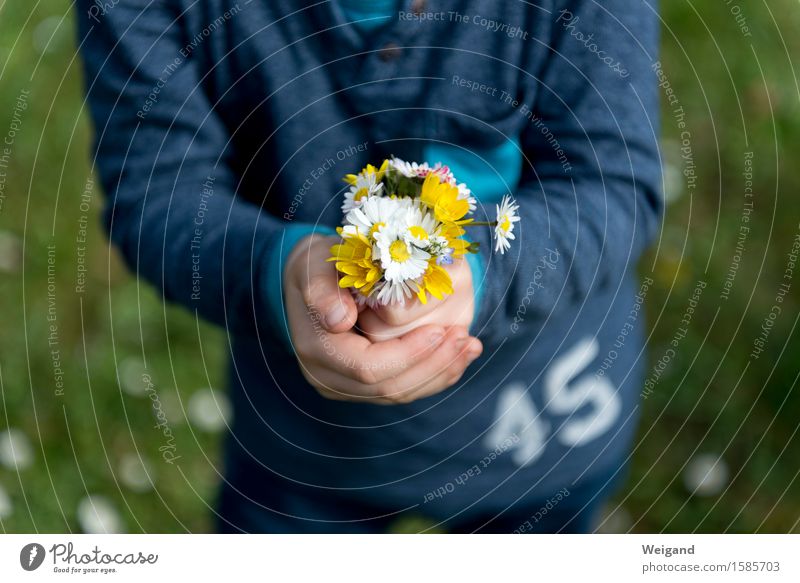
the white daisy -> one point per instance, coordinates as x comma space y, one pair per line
399, 258
136, 473
210, 410
98, 515
365, 186
6, 507
16, 450
375, 213
409, 169
396, 292
371, 300
443, 172
506, 217
421, 227
387, 292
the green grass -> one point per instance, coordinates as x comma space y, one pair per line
702, 403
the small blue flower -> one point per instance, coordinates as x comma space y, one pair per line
446, 258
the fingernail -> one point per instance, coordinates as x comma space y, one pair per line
474, 353
335, 315
462, 342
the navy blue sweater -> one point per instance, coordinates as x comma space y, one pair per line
220, 124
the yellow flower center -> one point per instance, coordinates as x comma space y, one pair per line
375, 228
418, 233
361, 193
398, 251
505, 224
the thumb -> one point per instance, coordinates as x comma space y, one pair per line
321, 292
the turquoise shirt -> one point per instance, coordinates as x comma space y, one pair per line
369, 15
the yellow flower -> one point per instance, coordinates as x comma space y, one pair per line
453, 232
353, 259
435, 281
369, 170
443, 199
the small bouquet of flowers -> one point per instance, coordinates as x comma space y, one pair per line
403, 223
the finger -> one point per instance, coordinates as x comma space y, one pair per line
396, 386
319, 284
407, 386
456, 311
359, 359
442, 370
377, 330
407, 312
413, 349
336, 307
338, 387
451, 376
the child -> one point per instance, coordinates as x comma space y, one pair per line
223, 131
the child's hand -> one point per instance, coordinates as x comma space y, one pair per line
343, 365
388, 322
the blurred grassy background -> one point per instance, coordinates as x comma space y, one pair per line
712, 402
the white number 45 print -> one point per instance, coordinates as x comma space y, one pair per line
591, 404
